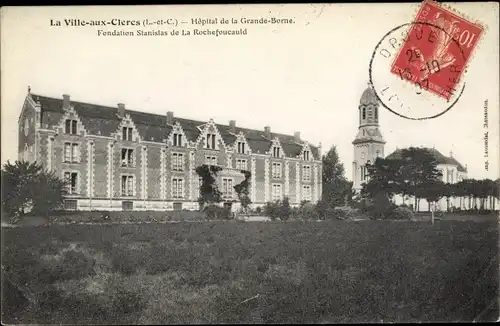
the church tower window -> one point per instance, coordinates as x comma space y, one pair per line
363, 116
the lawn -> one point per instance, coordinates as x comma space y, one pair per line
259, 272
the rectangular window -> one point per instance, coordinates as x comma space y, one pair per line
241, 164
71, 179
211, 160
306, 173
227, 188
177, 188
306, 155
127, 205
276, 170
70, 127
70, 204
306, 193
71, 153
127, 185
210, 141
276, 192
127, 157
127, 133
177, 140
241, 147
177, 161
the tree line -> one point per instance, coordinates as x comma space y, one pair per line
414, 173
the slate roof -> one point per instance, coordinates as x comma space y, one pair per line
440, 158
104, 120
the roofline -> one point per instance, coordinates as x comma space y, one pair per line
273, 135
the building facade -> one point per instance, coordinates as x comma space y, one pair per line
118, 159
369, 144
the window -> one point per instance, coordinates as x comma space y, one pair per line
306, 173
211, 160
227, 188
241, 147
306, 193
364, 114
71, 179
276, 152
177, 161
127, 185
70, 204
276, 170
364, 173
241, 164
210, 141
71, 127
378, 153
71, 153
127, 133
177, 188
127, 205
177, 206
276, 192
306, 155
177, 140
375, 111
127, 157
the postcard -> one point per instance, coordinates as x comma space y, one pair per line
266, 163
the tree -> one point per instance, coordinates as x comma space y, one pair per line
418, 168
433, 192
26, 185
243, 191
383, 178
336, 188
209, 192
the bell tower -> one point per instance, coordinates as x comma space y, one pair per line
369, 143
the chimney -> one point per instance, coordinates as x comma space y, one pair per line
451, 153
121, 110
65, 101
267, 131
170, 118
232, 125
296, 135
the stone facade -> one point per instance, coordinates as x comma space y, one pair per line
118, 159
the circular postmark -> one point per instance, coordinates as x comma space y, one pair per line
416, 69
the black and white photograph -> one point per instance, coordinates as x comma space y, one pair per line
250, 164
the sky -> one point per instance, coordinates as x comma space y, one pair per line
307, 76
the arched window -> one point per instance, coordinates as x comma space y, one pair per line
378, 153
363, 116
375, 111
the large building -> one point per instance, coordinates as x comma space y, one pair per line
119, 159
369, 144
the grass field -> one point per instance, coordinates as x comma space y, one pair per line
236, 272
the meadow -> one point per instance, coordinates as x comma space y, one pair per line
258, 272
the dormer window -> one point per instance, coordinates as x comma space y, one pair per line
71, 127
178, 140
276, 152
241, 147
210, 141
127, 133
306, 155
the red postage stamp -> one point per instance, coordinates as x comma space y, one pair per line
436, 49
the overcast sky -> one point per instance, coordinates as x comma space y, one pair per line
305, 77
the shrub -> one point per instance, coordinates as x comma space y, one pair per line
401, 213
272, 210
307, 211
285, 210
258, 210
214, 212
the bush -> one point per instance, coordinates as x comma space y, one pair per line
285, 209
347, 212
307, 211
272, 210
401, 213
214, 212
